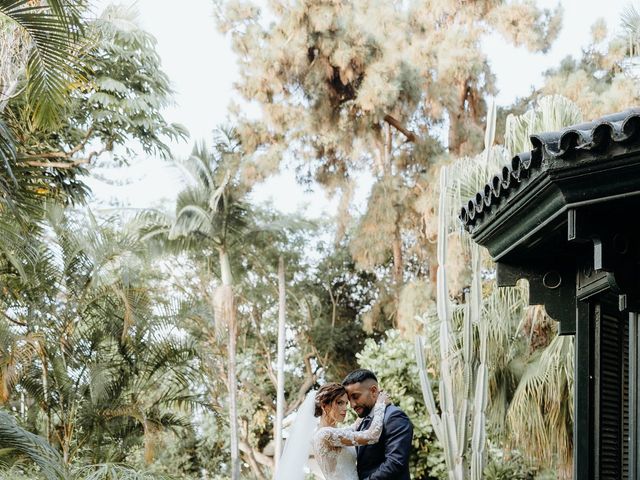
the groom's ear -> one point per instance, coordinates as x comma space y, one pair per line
375, 389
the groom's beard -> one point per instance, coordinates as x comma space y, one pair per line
365, 411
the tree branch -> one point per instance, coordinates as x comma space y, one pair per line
68, 154
411, 137
272, 376
251, 454
259, 457
306, 385
63, 165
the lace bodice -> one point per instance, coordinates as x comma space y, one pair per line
334, 448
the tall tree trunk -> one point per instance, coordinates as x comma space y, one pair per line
280, 406
397, 258
225, 309
45, 396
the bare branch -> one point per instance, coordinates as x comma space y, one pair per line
411, 137
259, 457
63, 165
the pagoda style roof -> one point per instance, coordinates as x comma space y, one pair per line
562, 168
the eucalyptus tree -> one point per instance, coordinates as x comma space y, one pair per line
371, 86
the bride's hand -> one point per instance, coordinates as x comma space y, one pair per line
383, 397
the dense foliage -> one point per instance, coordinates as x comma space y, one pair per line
144, 346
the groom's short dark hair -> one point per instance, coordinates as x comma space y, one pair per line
359, 376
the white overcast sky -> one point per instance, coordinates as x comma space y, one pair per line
202, 69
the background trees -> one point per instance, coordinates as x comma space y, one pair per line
124, 338
343, 99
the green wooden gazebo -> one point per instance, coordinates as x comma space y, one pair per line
566, 217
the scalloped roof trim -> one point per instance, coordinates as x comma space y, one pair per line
595, 137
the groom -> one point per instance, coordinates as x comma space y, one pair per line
389, 458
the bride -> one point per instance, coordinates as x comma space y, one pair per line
333, 447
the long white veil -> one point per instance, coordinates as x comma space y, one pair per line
296, 450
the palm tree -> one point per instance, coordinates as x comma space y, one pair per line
212, 217
52, 31
15, 442
107, 361
41, 46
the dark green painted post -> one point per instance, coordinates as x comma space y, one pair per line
583, 441
634, 403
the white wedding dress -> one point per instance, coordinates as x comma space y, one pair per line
338, 460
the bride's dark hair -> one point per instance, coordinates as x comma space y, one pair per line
326, 396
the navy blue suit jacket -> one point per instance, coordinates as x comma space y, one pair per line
389, 458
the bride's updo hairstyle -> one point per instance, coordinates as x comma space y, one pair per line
327, 395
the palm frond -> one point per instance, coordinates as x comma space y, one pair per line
54, 29
539, 416
192, 219
630, 20
32, 446
198, 166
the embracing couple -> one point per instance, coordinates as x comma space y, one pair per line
375, 447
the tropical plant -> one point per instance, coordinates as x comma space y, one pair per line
38, 61
16, 441
117, 103
92, 347
118, 98
462, 404
518, 372
111, 471
212, 218
545, 390
46, 35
